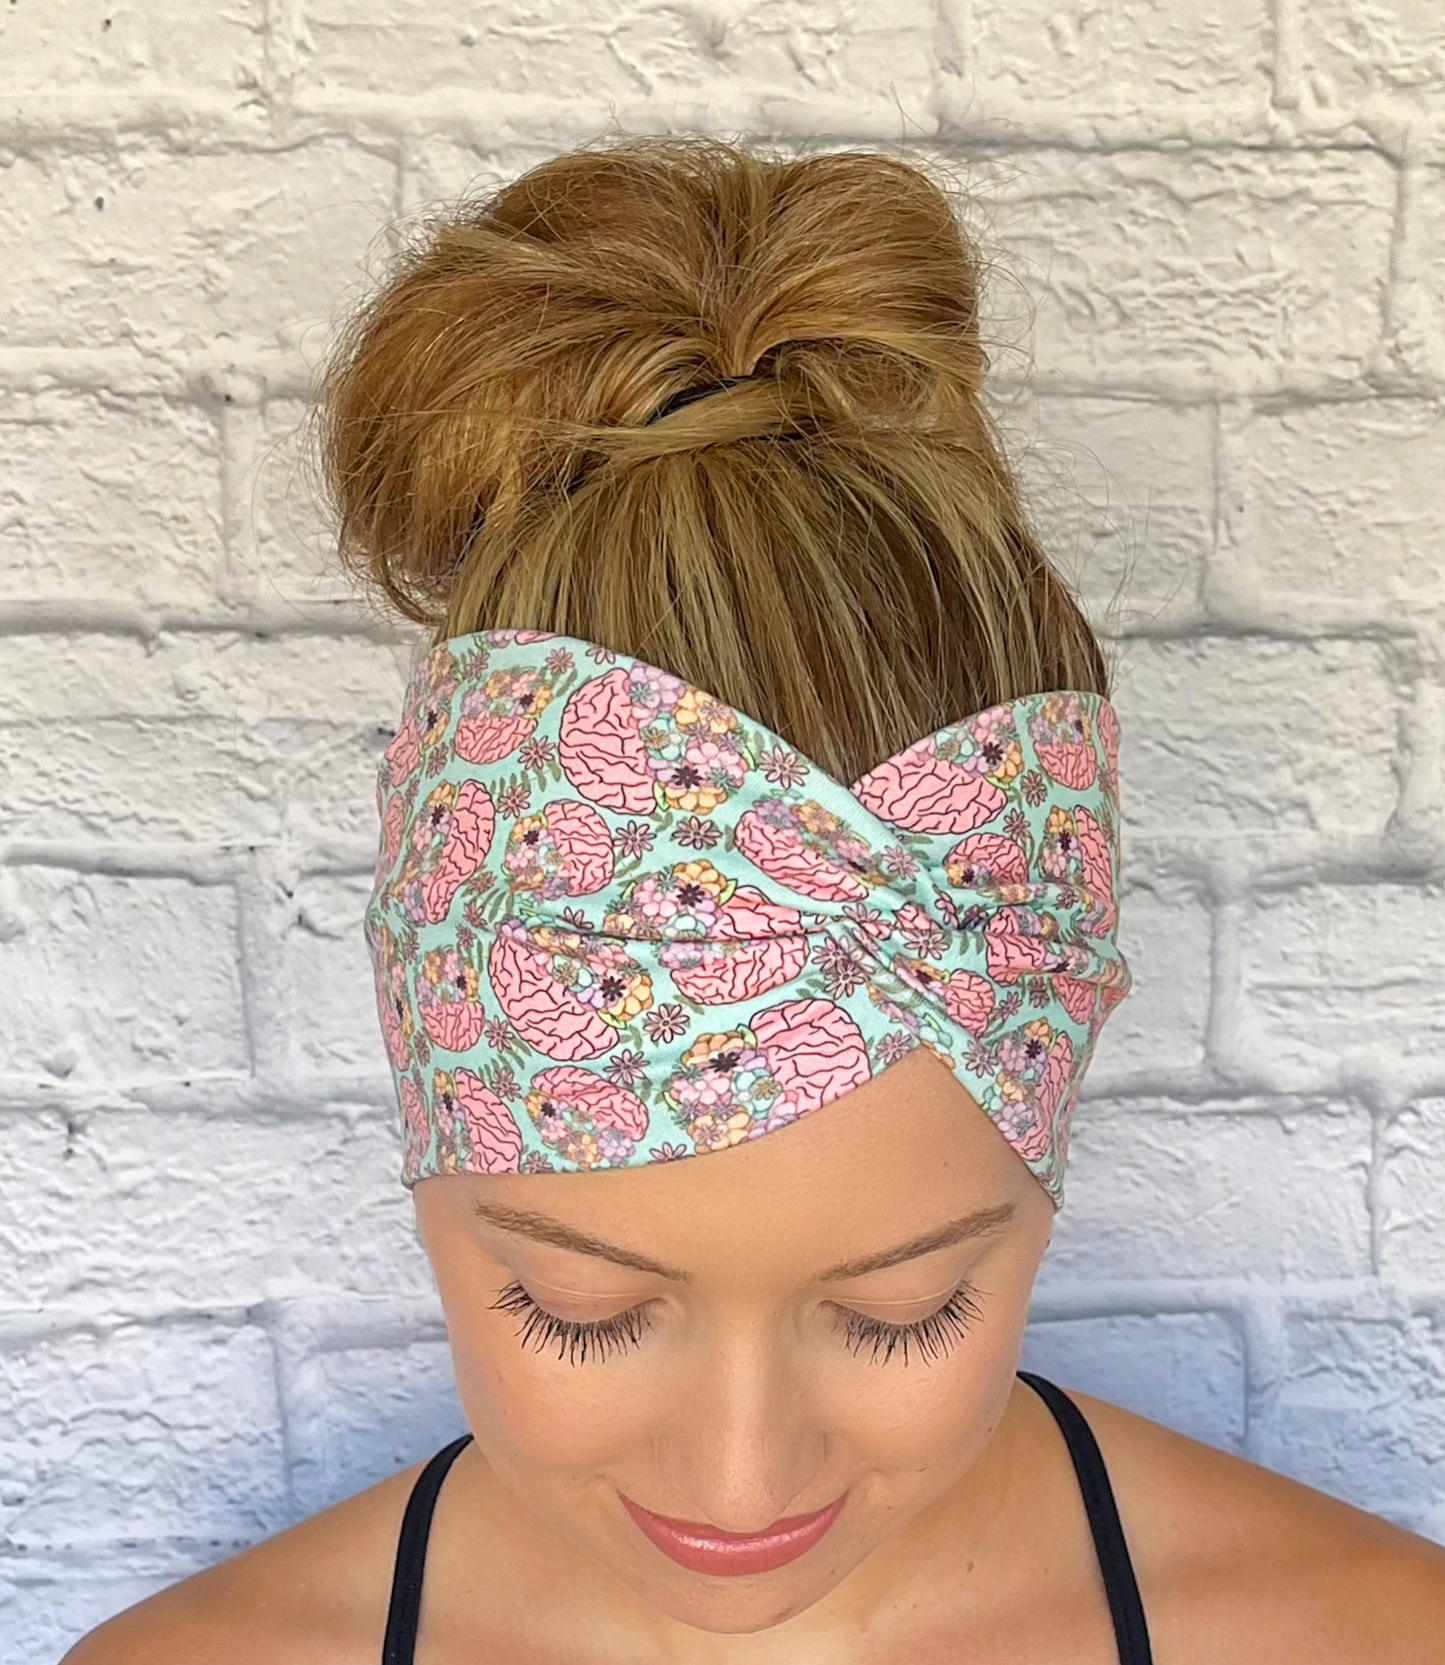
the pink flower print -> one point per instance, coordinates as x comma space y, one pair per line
565, 850
450, 1012
515, 799
1031, 1100
783, 767
996, 752
574, 1108
650, 689
500, 1034
967, 998
536, 754
667, 1151
871, 922
683, 901
843, 970
558, 662
921, 931
895, 1046
626, 1068
635, 839
701, 711
665, 1022
721, 1087
696, 834
392, 998
923, 790
1024, 1051
1060, 854
899, 861
1063, 736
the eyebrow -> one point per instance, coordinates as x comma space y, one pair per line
542, 1228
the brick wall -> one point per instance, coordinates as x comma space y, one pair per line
1224, 366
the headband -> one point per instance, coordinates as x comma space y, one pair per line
617, 921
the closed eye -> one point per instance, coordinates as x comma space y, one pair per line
929, 1338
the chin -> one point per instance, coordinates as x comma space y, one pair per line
736, 1606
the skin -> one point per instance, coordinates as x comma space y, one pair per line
962, 1535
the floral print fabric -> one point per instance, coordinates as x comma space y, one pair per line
616, 921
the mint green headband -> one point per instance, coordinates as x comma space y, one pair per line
616, 921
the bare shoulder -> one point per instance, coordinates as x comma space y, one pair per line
1233, 1556
314, 1594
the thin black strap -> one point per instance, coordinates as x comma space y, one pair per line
405, 1610
1131, 1633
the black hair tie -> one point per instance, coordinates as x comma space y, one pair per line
688, 395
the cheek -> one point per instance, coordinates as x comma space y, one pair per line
532, 1410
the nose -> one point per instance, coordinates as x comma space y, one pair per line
749, 1446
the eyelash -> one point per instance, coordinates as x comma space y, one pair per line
575, 1342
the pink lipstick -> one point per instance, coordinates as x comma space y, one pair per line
705, 1549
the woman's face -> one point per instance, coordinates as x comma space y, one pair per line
830, 1315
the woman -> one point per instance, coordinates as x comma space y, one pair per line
735, 1099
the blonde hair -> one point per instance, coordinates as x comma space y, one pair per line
835, 546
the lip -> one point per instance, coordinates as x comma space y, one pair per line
706, 1549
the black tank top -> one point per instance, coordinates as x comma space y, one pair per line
1131, 1634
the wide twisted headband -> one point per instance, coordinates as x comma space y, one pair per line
616, 921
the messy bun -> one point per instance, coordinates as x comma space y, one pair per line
831, 541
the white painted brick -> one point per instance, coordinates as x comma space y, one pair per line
1118, 59
1340, 982
187, 251
436, 169
1164, 931
312, 1205
111, 979
108, 498
1359, 1414
122, 43
179, 676
1412, 1182
1340, 500
285, 543
326, 972
172, 1431
1123, 493
1159, 1192
603, 50
42, 1613
1184, 1369
1247, 736
1219, 261
1420, 329
1390, 51
363, 1412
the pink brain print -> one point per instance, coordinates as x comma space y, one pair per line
454, 1025
393, 826
983, 861
496, 1142
404, 752
1013, 951
814, 1049
608, 1105
1109, 734
782, 855
416, 1128
969, 1000
1049, 1098
585, 840
487, 739
926, 793
715, 973
748, 913
1072, 762
545, 1012
601, 749
1098, 868
473, 818
1078, 997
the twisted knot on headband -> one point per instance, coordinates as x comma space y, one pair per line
616, 921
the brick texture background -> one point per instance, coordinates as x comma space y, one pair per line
1220, 313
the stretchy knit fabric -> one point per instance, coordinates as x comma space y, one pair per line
1131, 1633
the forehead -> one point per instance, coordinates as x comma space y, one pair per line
899, 1155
